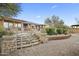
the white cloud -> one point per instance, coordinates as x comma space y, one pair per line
38, 16
54, 6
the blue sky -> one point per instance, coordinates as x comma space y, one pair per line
38, 12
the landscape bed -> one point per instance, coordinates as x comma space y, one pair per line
58, 37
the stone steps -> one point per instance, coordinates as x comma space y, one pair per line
22, 41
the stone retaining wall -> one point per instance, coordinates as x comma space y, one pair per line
58, 37
7, 45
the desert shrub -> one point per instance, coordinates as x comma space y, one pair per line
10, 33
59, 30
62, 31
0, 34
54, 31
43, 31
65, 31
50, 31
5, 33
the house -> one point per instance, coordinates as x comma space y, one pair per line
75, 28
11, 24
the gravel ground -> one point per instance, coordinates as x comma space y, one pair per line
66, 47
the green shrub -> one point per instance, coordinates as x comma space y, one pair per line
65, 31
50, 31
5, 33
10, 33
1, 30
62, 31
0, 34
59, 31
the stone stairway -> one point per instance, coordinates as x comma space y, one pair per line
19, 40
24, 40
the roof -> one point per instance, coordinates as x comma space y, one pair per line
18, 20
75, 25
27, 22
12, 19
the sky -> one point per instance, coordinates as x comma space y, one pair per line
38, 12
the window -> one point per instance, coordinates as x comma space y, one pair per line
10, 25
15, 25
6, 25
19, 26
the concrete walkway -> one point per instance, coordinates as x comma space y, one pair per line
64, 47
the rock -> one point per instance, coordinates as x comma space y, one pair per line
41, 37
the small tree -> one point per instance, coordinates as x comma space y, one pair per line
9, 9
58, 24
54, 21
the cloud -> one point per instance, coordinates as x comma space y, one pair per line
54, 6
38, 16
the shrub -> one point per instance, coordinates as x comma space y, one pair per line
5, 33
0, 34
50, 31
1, 30
59, 31
10, 33
65, 31
54, 31
43, 31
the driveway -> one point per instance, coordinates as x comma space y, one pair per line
66, 47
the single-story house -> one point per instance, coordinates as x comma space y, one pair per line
11, 24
